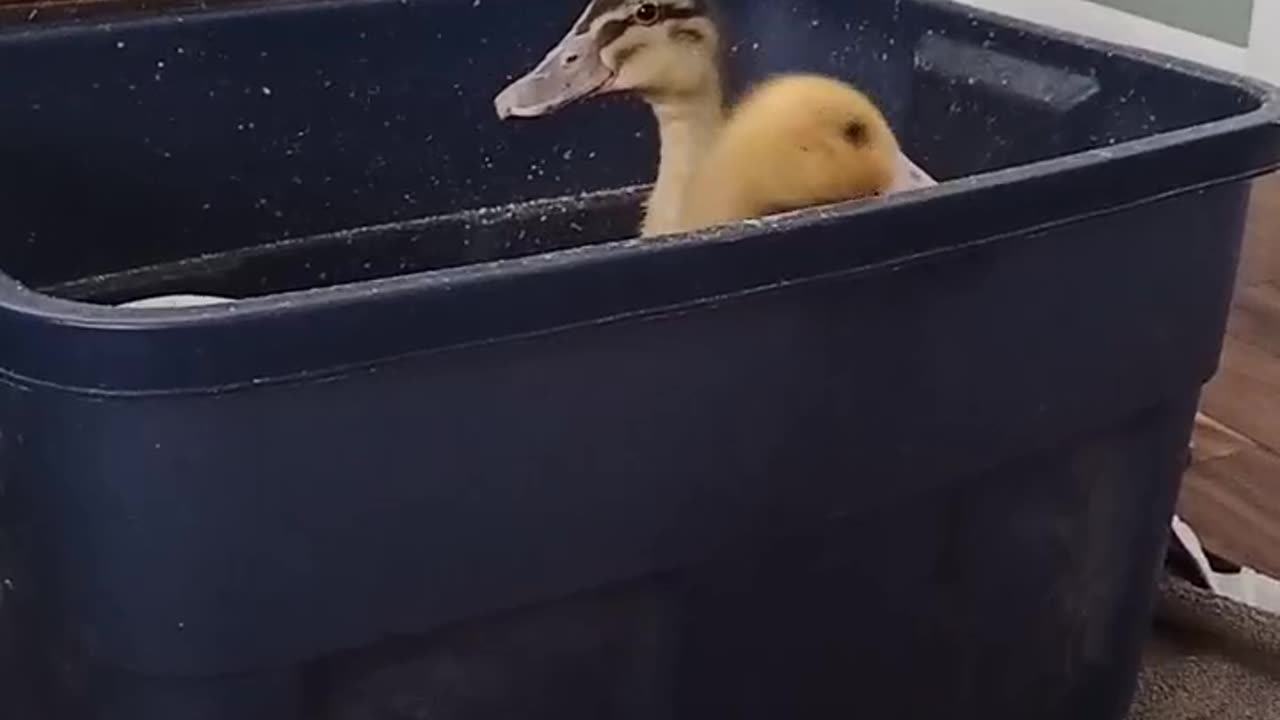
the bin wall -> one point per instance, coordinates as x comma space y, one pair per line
191, 530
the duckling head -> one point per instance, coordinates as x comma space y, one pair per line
658, 49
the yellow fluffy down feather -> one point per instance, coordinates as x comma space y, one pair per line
795, 141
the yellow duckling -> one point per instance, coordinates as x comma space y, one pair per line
796, 141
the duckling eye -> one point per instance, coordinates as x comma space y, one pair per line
856, 133
647, 14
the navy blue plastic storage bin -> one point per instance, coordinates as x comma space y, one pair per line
464, 452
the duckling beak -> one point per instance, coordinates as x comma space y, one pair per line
572, 71
910, 176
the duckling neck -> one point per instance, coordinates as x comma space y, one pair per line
686, 128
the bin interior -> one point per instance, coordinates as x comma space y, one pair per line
269, 149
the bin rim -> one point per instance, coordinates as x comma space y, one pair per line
24, 310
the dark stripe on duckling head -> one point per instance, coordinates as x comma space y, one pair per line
680, 12
613, 29
687, 33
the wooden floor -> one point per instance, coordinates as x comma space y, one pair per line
1232, 491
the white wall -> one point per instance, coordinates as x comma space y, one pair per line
1261, 59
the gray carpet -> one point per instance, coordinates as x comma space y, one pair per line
1209, 658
